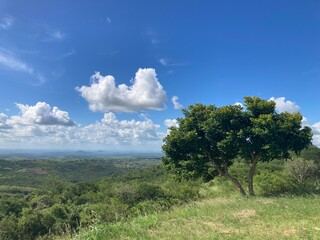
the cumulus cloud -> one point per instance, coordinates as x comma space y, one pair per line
239, 104
111, 130
284, 106
41, 114
31, 128
3, 121
171, 123
6, 22
145, 93
175, 102
316, 134
315, 130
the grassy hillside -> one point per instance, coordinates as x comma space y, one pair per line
222, 218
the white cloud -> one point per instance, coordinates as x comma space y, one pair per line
239, 104
8, 60
175, 102
163, 61
304, 121
315, 130
40, 127
40, 114
124, 132
145, 93
6, 22
171, 123
168, 63
316, 133
3, 121
284, 106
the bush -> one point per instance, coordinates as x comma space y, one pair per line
9, 228
275, 183
148, 206
301, 169
148, 191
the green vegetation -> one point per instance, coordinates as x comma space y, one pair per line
210, 139
142, 201
41, 173
284, 209
61, 206
222, 218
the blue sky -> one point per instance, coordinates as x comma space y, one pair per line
106, 74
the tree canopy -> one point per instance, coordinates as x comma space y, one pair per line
210, 138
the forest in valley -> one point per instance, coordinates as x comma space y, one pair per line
51, 198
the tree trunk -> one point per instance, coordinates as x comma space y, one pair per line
236, 183
227, 175
251, 173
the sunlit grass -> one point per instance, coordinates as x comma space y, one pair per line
222, 218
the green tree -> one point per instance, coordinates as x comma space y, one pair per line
270, 134
209, 139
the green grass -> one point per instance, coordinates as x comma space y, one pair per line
222, 218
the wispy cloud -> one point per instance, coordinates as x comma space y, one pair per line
65, 55
168, 63
163, 61
56, 34
49, 34
6, 22
153, 38
10, 61
106, 20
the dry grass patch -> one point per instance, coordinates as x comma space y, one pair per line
266, 201
218, 227
289, 232
245, 213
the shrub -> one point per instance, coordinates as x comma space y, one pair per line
301, 169
275, 183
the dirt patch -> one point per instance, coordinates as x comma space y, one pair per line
39, 171
289, 231
245, 213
